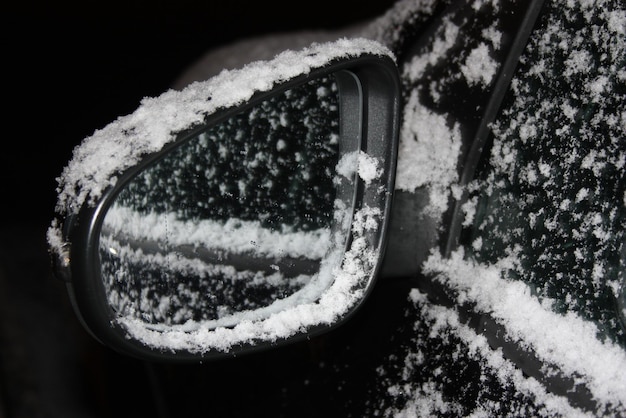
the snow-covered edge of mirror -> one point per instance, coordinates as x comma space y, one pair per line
156, 122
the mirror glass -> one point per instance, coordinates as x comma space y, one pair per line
235, 221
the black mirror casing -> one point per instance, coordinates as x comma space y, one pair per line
369, 97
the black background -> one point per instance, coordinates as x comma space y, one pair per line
69, 69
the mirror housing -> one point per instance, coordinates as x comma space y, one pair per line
104, 164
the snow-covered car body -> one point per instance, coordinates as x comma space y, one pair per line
506, 237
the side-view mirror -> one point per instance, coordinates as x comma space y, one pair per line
240, 213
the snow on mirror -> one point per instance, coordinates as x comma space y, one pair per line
236, 222
243, 211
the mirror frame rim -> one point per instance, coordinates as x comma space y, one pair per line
379, 87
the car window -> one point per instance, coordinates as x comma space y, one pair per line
531, 318
551, 194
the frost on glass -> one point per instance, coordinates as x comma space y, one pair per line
236, 219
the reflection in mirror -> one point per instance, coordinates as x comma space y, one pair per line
234, 221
